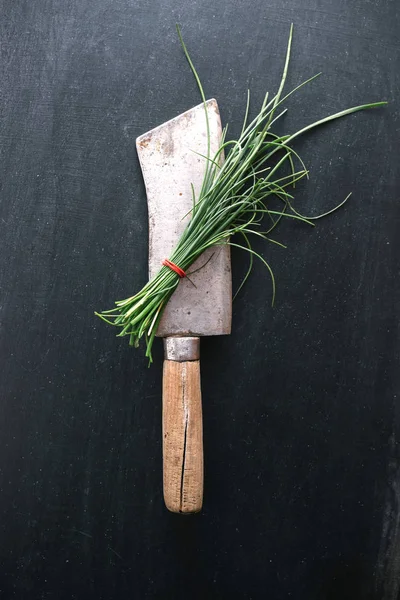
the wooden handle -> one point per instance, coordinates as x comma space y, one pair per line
182, 436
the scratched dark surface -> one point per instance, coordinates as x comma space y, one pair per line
301, 417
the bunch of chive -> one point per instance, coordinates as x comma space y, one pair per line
233, 200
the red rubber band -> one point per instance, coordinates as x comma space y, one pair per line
174, 267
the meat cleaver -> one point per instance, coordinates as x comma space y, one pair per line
172, 158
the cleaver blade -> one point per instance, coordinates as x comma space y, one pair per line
171, 162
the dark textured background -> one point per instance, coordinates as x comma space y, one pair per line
301, 417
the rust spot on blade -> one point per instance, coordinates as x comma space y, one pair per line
214, 106
145, 142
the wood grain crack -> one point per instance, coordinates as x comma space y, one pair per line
186, 417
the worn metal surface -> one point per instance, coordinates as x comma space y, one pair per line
181, 349
170, 161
